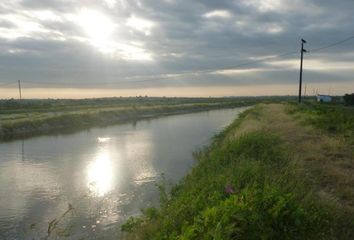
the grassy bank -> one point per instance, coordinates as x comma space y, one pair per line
272, 174
31, 117
333, 119
329, 155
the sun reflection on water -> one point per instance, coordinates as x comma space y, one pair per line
100, 174
103, 139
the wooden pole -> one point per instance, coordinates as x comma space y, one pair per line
302, 57
19, 89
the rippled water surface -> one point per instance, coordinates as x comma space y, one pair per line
91, 181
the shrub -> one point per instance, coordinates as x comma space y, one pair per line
349, 99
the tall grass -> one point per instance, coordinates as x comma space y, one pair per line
334, 119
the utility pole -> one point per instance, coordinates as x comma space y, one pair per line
19, 89
302, 57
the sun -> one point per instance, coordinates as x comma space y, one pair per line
97, 27
99, 30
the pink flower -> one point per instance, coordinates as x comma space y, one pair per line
229, 188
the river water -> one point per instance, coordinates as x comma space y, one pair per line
87, 183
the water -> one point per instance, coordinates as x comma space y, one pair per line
105, 174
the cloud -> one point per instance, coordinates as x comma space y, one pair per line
138, 44
140, 25
111, 3
218, 14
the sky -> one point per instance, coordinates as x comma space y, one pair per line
104, 48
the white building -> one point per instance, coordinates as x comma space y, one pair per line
324, 98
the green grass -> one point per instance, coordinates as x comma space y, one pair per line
243, 188
333, 119
329, 157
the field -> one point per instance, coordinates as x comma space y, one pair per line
32, 117
280, 171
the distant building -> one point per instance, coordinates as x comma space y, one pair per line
324, 98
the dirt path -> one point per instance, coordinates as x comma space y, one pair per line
327, 161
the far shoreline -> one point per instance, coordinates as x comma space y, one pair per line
70, 123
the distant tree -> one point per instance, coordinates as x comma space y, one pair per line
349, 99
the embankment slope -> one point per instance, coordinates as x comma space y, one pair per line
272, 174
18, 125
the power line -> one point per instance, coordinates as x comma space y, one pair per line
270, 58
254, 61
177, 75
8, 83
332, 44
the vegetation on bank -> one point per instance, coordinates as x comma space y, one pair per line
330, 157
29, 117
349, 99
54, 105
255, 182
334, 119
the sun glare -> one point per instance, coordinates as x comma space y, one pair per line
98, 32
97, 27
100, 174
